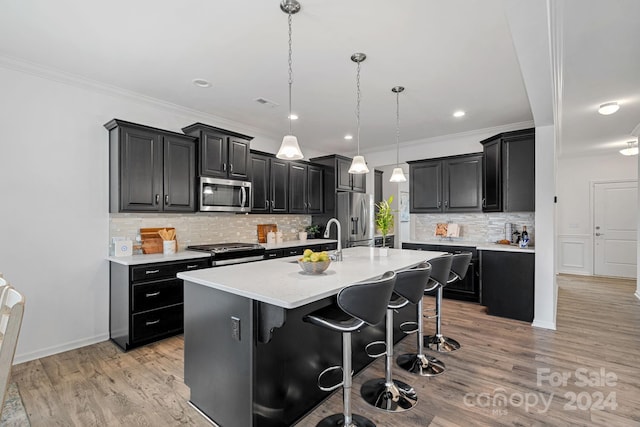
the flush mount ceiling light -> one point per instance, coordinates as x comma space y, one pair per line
631, 150
608, 108
293, 117
459, 113
201, 83
348, 137
358, 165
398, 174
289, 149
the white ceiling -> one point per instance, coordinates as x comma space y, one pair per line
450, 55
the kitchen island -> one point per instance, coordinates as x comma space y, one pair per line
250, 360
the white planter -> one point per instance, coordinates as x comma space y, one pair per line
383, 251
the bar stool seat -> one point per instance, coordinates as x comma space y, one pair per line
357, 304
457, 271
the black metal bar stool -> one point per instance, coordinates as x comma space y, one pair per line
386, 393
456, 271
357, 304
419, 363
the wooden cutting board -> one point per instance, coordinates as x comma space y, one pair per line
263, 229
151, 240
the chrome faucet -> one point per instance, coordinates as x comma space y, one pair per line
338, 253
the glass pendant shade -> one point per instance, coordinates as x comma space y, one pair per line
358, 165
631, 150
397, 175
289, 149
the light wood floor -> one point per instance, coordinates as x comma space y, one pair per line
598, 329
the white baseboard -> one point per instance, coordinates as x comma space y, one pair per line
544, 324
25, 357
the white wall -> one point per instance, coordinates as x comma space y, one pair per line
54, 189
575, 210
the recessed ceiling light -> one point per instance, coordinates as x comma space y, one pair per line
459, 113
293, 117
608, 108
201, 83
348, 137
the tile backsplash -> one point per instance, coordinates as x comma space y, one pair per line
474, 227
202, 228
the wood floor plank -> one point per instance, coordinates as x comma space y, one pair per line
597, 324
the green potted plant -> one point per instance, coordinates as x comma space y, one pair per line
312, 231
384, 221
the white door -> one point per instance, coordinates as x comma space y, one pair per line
615, 225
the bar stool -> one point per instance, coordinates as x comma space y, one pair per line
357, 304
386, 393
456, 271
419, 363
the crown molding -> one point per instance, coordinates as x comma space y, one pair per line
78, 81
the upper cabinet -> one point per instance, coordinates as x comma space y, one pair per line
447, 184
150, 170
269, 184
306, 188
343, 180
222, 153
509, 172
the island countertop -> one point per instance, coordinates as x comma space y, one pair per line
282, 283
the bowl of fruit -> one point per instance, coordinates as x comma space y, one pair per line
314, 262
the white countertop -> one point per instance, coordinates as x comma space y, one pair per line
296, 243
151, 258
481, 246
281, 282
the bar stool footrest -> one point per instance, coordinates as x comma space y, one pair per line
326, 372
409, 327
368, 347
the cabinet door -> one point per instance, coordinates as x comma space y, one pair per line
359, 182
297, 188
179, 174
238, 158
213, 154
343, 175
508, 284
377, 188
463, 184
140, 170
315, 192
279, 182
425, 187
260, 194
518, 170
492, 177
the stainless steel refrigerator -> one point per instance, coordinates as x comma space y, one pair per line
355, 211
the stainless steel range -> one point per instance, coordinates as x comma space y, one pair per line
231, 253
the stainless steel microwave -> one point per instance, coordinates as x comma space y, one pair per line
224, 195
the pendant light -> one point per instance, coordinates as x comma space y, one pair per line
631, 150
358, 165
398, 174
289, 149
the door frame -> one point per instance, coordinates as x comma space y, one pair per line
592, 212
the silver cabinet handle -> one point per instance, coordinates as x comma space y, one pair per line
484, 202
152, 271
152, 294
224, 167
189, 267
231, 167
446, 203
599, 234
153, 322
266, 204
166, 199
439, 203
157, 198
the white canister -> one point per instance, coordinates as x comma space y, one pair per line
168, 247
279, 239
302, 236
271, 238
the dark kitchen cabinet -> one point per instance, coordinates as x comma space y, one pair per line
305, 188
339, 169
222, 153
389, 241
146, 301
509, 172
508, 284
467, 289
299, 250
269, 184
377, 187
150, 170
448, 184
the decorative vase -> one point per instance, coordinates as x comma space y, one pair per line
384, 251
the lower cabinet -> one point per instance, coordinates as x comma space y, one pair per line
146, 301
508, 284
467, 289
388, 242
298, 250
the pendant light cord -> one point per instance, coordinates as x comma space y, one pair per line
358, 105
397, 129
290, 72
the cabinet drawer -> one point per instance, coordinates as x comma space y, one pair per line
147, 296
293, 251
157, 322
166, 271
276, 253
329, 246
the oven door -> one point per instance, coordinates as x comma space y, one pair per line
224, 195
